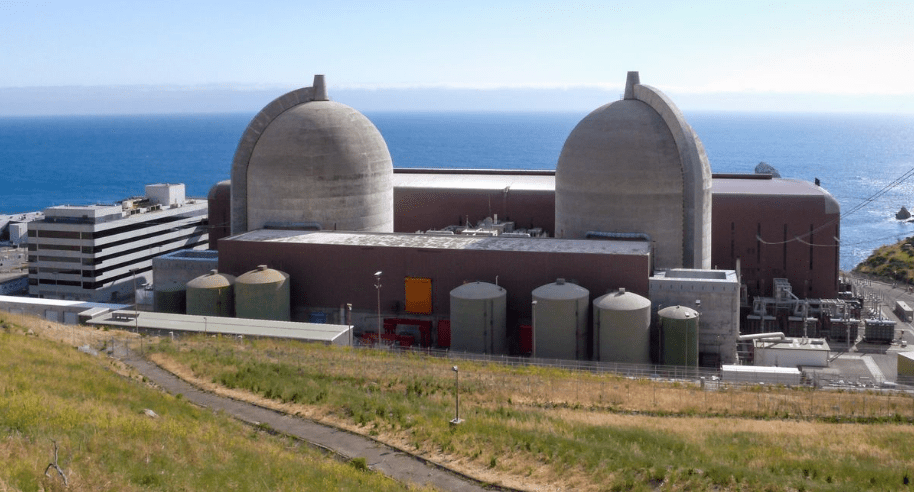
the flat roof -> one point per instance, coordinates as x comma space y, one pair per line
35, 301
773, 186
759, 369
457, 242
473, 179
316, 332
191, 255
544, 180
814, 344
690, 274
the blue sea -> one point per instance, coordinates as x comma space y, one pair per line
100, 159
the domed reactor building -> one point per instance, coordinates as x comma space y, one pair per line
306, 162
314, 194
635, 167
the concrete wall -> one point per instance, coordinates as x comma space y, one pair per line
718, 292
170, 274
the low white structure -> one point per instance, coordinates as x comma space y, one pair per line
757, 374
162, 323
906, 365
791, 352
715, 295
68, 312
93, 252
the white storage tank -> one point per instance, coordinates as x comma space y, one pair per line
263, 293
560, 320
212, 294
478, 318
621, 328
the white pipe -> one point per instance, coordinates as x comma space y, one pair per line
758, 336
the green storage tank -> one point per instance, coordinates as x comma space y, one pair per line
171, 299
679, 331
212, 294
263, 293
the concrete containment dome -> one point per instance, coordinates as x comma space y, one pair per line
479, 318
263, 293
636, 166
621, 328
306, 159
212, 294
561, 320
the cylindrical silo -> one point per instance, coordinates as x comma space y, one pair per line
621, 328
169, 299
263, 293
560, 317
212, 294
478, 318
679, 332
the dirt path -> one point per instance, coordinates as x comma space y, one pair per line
396, 464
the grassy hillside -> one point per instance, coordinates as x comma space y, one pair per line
549, 429
95, 411
894, 262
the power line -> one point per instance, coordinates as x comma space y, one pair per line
863, 204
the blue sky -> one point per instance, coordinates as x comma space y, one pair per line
753, 53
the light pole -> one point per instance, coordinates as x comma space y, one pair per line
533, 330
136, 302
349, 321
457, 419
377, 285
698, 312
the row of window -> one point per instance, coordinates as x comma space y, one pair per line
196, 238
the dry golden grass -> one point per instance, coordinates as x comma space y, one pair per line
108, 442
744, 435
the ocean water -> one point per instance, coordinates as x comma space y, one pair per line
101, 159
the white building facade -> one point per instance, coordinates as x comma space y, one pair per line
97, 252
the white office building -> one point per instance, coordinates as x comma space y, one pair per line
99, 253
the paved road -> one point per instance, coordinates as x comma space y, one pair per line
400, 466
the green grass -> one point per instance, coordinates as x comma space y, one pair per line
49, 391
547, 426
893, 262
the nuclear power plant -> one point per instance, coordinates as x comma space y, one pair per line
631, 251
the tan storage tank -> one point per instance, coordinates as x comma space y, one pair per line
679, 332
560, 320
212, 294
479, 318
263, 293
621, 328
